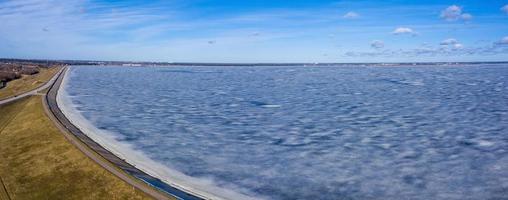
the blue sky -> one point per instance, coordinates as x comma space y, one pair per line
256, 31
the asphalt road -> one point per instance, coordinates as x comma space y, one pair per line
32, 92
97, 153
106, 159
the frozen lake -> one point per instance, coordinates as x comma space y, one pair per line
310, 132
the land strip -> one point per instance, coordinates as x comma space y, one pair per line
10, 186
28, 83
37, 162
3, 191
9, 113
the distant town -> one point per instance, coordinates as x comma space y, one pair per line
144, 63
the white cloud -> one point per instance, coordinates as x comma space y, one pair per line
404, 30
503, 41
451, 13
505, 9
466, 16
351, 15
255, 34
377, 44
454, 13
458, 46
451, 41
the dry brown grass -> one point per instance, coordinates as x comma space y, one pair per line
37, 162
28, 82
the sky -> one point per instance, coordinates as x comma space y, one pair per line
255, 31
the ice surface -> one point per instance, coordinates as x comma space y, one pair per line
310, 132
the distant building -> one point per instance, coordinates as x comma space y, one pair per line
131, 65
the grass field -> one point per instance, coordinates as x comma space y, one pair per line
37, 162
27, 83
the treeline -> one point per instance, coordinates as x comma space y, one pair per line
11, 71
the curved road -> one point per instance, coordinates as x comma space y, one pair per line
117, 166
112, 164
88, 151
33, 92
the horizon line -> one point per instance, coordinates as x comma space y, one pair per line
98, 62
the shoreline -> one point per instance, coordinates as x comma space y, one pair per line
128, 160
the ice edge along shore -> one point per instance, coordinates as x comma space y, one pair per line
204, 188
